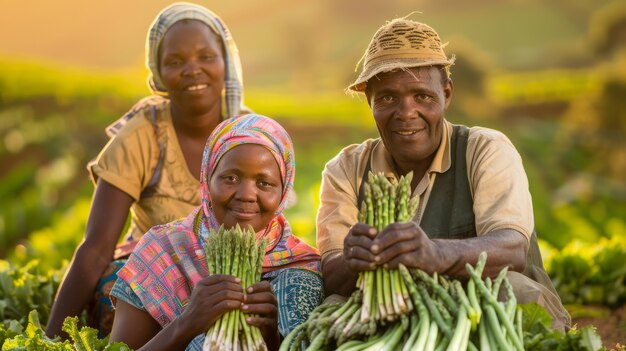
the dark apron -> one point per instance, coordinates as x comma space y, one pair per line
449, 213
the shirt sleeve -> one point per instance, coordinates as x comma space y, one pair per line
122, 291
129, 158
498, 183
338, 210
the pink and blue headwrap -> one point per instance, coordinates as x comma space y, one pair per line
283, 247
170, 259
249, 129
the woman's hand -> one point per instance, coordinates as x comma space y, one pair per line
210, 299
261, 302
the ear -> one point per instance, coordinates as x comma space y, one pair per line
448, 88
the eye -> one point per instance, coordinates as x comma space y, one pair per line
172, 62
230, 179
263, 184
269, 183
205, 57
423, 97
386, 99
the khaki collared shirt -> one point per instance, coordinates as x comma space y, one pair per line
129, 160
497, 179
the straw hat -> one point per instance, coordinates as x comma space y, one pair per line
401, 43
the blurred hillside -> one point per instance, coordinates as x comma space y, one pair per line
301, 45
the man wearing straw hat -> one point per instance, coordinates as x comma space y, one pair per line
471, 183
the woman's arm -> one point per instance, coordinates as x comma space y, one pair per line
210, 299
133, 326
109, 210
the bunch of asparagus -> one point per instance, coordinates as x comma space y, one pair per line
410, 310
235, 252
385, 295
447, 316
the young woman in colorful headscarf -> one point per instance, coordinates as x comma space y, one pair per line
166, 297
151, 165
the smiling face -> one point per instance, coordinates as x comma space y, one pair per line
409, 113
191, 64
246, 187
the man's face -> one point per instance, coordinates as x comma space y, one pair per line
408, 107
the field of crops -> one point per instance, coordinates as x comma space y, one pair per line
50, 128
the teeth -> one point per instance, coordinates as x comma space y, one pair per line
406, 133
196, 87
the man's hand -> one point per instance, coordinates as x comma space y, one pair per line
357, 248
406, 243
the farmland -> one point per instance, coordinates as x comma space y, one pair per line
564, 114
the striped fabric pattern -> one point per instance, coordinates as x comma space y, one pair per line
233, 80
170, 259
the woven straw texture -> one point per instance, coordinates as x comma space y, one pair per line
401, 44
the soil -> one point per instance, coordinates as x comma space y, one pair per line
610, 324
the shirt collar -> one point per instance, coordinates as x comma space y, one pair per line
382, 161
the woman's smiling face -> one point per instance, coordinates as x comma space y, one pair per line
246, 187
191, 64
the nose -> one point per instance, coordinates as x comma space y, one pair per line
191, 68
407, 108
246, 191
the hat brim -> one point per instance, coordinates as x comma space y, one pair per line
360, 84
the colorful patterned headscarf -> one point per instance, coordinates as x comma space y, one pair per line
233, 81
283, 248
170, 259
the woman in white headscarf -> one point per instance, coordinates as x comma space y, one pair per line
151, 165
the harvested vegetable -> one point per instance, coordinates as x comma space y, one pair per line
235, 252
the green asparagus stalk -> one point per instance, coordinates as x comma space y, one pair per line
234, 252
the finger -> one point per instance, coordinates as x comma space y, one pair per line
225, 306
358, 240
362, 229
261, 297
209, 299
360, 253
261, 309
395, 262
259, 287
394, 233
218, 278
363, 242
221, 287
262, 322
399, 252
358, 265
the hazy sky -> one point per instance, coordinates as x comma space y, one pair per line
288, 37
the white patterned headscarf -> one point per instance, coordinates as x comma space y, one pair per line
233, 81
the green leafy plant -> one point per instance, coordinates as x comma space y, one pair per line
538, 336
81, 339
591, 274
23, 289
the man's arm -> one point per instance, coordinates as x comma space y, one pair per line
338, 278
407, 243
336, 215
